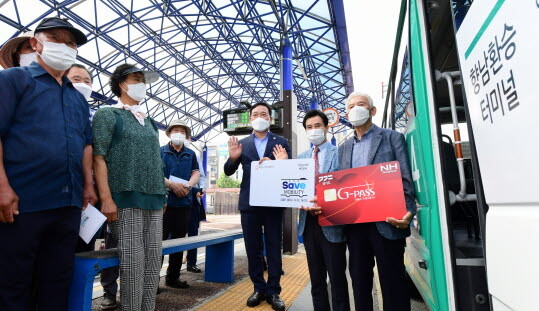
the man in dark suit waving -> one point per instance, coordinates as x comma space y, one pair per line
383, 240
255, 220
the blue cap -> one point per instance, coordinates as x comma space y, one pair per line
61, 23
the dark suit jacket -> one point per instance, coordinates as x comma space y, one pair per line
248, 155
387, 145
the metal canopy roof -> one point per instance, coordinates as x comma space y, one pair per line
210, 54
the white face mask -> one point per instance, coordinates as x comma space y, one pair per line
27, 59
58, 56
187, 143
177, 139
136, 91
260, 124
316, 136
358, 115
84, 89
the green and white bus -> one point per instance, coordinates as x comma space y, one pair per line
463, 90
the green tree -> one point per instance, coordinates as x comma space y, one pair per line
226, 182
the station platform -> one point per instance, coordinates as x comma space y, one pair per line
293, 282
207, 296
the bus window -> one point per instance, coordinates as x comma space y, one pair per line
404, 103
447, 129
460, 9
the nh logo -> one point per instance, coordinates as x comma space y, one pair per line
389, 167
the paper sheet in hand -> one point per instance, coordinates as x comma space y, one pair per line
282, 183
91, 220
173, 178
364, 194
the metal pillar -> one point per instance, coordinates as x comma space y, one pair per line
313, 104
333, 140
290, 215
205, 170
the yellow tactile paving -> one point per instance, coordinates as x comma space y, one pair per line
295, 279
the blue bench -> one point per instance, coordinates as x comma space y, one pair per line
219, 266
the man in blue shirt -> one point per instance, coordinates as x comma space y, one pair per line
261, 145
45, 170
181, 174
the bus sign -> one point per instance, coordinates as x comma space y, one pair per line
497, 45
333, 116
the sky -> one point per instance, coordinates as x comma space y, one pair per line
371, 29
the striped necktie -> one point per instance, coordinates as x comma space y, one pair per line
316, 164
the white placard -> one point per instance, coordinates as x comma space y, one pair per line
90, 221
175, 179
282, 183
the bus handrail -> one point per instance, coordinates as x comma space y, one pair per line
457, 143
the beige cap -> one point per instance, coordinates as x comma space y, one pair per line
9, 49
178, 123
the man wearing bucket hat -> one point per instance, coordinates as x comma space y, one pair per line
17, 52
45, 170
129, 175
182, 173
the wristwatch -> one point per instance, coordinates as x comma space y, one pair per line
189, 186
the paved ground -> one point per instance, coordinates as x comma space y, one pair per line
201, 292
296, 277
185, 299
304, 303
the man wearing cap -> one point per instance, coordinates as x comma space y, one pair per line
17, 52
181, 174
45, 171
129, 176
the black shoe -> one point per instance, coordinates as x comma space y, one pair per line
109, 303
194, 269
176, 284
276, 302
255, 299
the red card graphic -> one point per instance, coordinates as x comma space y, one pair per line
364, 194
